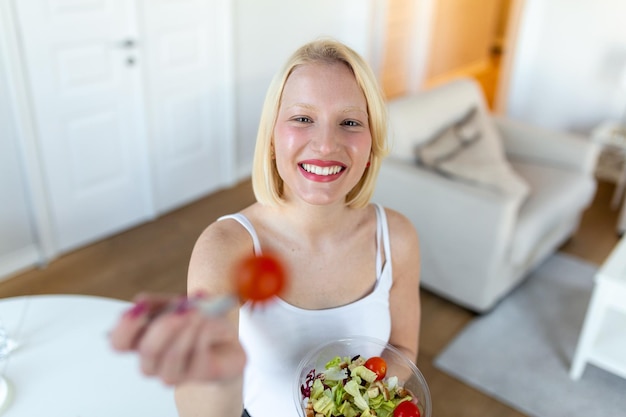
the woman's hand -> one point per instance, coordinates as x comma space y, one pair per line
177, 343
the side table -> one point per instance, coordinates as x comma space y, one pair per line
602, 341
612, 135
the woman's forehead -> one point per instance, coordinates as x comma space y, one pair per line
323, 83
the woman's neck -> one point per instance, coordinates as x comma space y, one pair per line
317, 225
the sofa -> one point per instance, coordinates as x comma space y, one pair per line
490, 197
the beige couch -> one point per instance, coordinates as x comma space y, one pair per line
490, 198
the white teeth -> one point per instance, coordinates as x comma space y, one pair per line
317, 170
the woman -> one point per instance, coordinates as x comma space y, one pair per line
353, 266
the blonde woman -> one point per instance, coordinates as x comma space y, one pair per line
353, 266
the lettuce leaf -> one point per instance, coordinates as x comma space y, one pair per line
352, 388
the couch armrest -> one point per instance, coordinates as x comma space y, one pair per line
523, 141
465, 230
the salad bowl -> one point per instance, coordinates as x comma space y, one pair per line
401, 372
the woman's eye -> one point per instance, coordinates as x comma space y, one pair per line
302, 119
351, 123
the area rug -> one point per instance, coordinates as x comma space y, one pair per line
520, 352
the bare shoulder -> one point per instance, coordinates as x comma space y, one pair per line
214, 255
224, 235
404, 242
401, 229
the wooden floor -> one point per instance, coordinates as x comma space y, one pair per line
153, 257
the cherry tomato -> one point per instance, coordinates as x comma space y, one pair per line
378, 365
406, 409
259, 278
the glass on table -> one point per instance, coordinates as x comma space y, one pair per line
7, 343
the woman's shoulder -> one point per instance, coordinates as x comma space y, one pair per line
400, 228
225, 234
396, 219
215, 252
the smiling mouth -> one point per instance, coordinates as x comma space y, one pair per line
323, 171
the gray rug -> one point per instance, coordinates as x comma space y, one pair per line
520, 352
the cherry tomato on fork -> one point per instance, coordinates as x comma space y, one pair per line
406, 409
377, 365
258, 278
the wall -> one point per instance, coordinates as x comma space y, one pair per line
267, 32
564, 74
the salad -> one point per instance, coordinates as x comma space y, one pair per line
356, 387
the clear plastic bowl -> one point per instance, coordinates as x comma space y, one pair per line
397, 365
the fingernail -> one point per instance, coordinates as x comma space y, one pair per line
136, 310
182, 306
200, 294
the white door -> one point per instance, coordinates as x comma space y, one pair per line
83, 72
187, 73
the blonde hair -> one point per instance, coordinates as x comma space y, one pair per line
266, 182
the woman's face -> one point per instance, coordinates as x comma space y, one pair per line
322, 139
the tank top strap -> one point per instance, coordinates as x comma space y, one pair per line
245, 222
382, 236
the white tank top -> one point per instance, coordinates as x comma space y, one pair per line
277, 335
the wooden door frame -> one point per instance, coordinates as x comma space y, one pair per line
422, 39
506, 66
422, 43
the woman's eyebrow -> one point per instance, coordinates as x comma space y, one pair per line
355, 108
302, 105
312, 107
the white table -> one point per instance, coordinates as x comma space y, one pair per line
602, 341
611, 135
65, 367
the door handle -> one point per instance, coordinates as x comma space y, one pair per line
128, 44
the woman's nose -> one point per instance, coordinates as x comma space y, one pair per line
326, 140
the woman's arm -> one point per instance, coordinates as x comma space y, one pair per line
210, 270
404, 299
176, 343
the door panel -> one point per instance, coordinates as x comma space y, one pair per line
85, 67
464, 42
88, 115
95, 161
186, 67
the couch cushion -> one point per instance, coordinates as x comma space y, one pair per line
467, 150
415, 118
451, 140
556, 195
